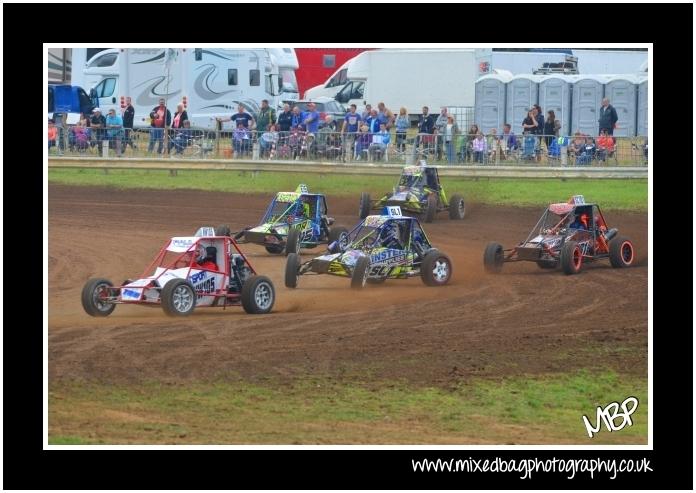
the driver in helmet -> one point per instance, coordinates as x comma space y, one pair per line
582, 221
207, 261
390, 237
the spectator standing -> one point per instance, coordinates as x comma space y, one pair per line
530, 121
285, 119
241, 116
351, 123
114, 130
372, 122
607, 117
128, 114
310, 118
539, 117
402, 125
449, 134
367, 112
467, 145
296, 120
440, 124
160, 117
265, 118
551, 128
426, 124
385, 116
97, 124
52, 133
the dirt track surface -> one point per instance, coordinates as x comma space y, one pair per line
523, 321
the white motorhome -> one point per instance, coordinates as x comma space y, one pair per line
287, 61
211, 82
411, 78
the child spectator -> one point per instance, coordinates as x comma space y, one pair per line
362, 143
52, 133
605, 145
241, 141
269, 141
479, 148
528, 145
493, 142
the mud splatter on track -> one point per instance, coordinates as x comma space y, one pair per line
525, 320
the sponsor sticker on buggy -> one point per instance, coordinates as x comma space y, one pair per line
374, 221
181, 244
578, 199
130, 294
302, 188
388, 257
412, 170
287, 196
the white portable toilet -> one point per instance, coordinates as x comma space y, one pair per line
554, 94
642, 123
588, 91
522, 93
489, 102
622, 91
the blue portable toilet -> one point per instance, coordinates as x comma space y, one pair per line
588, 91
622, 91
522, 93
554, 94
489, 102
642, 123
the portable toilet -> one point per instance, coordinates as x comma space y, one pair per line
642, 123
588, 91
622, 91
522, 93
489, 103
554, 94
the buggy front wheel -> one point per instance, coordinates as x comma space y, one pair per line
93, 294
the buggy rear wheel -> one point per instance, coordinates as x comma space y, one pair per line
621, 252
457, 209
93, 293
571, 258
178, 298
436, 269
359, 277
291, 266
493, 258
365, 205
431, 208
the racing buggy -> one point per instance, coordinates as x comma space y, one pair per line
418, 192
294, 220
203, 270
567, 235
390, 246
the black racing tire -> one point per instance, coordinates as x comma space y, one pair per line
359, 277
90, 295
291, 266
571, 258
258, 295
493, 258
621, 253
547, 264
338, 233
274, 249
223, 230
178, 298
365, 205
457, 208
431, 208
292, 243
436, 269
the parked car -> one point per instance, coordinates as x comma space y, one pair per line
325, 106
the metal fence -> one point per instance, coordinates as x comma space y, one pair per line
327, 145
